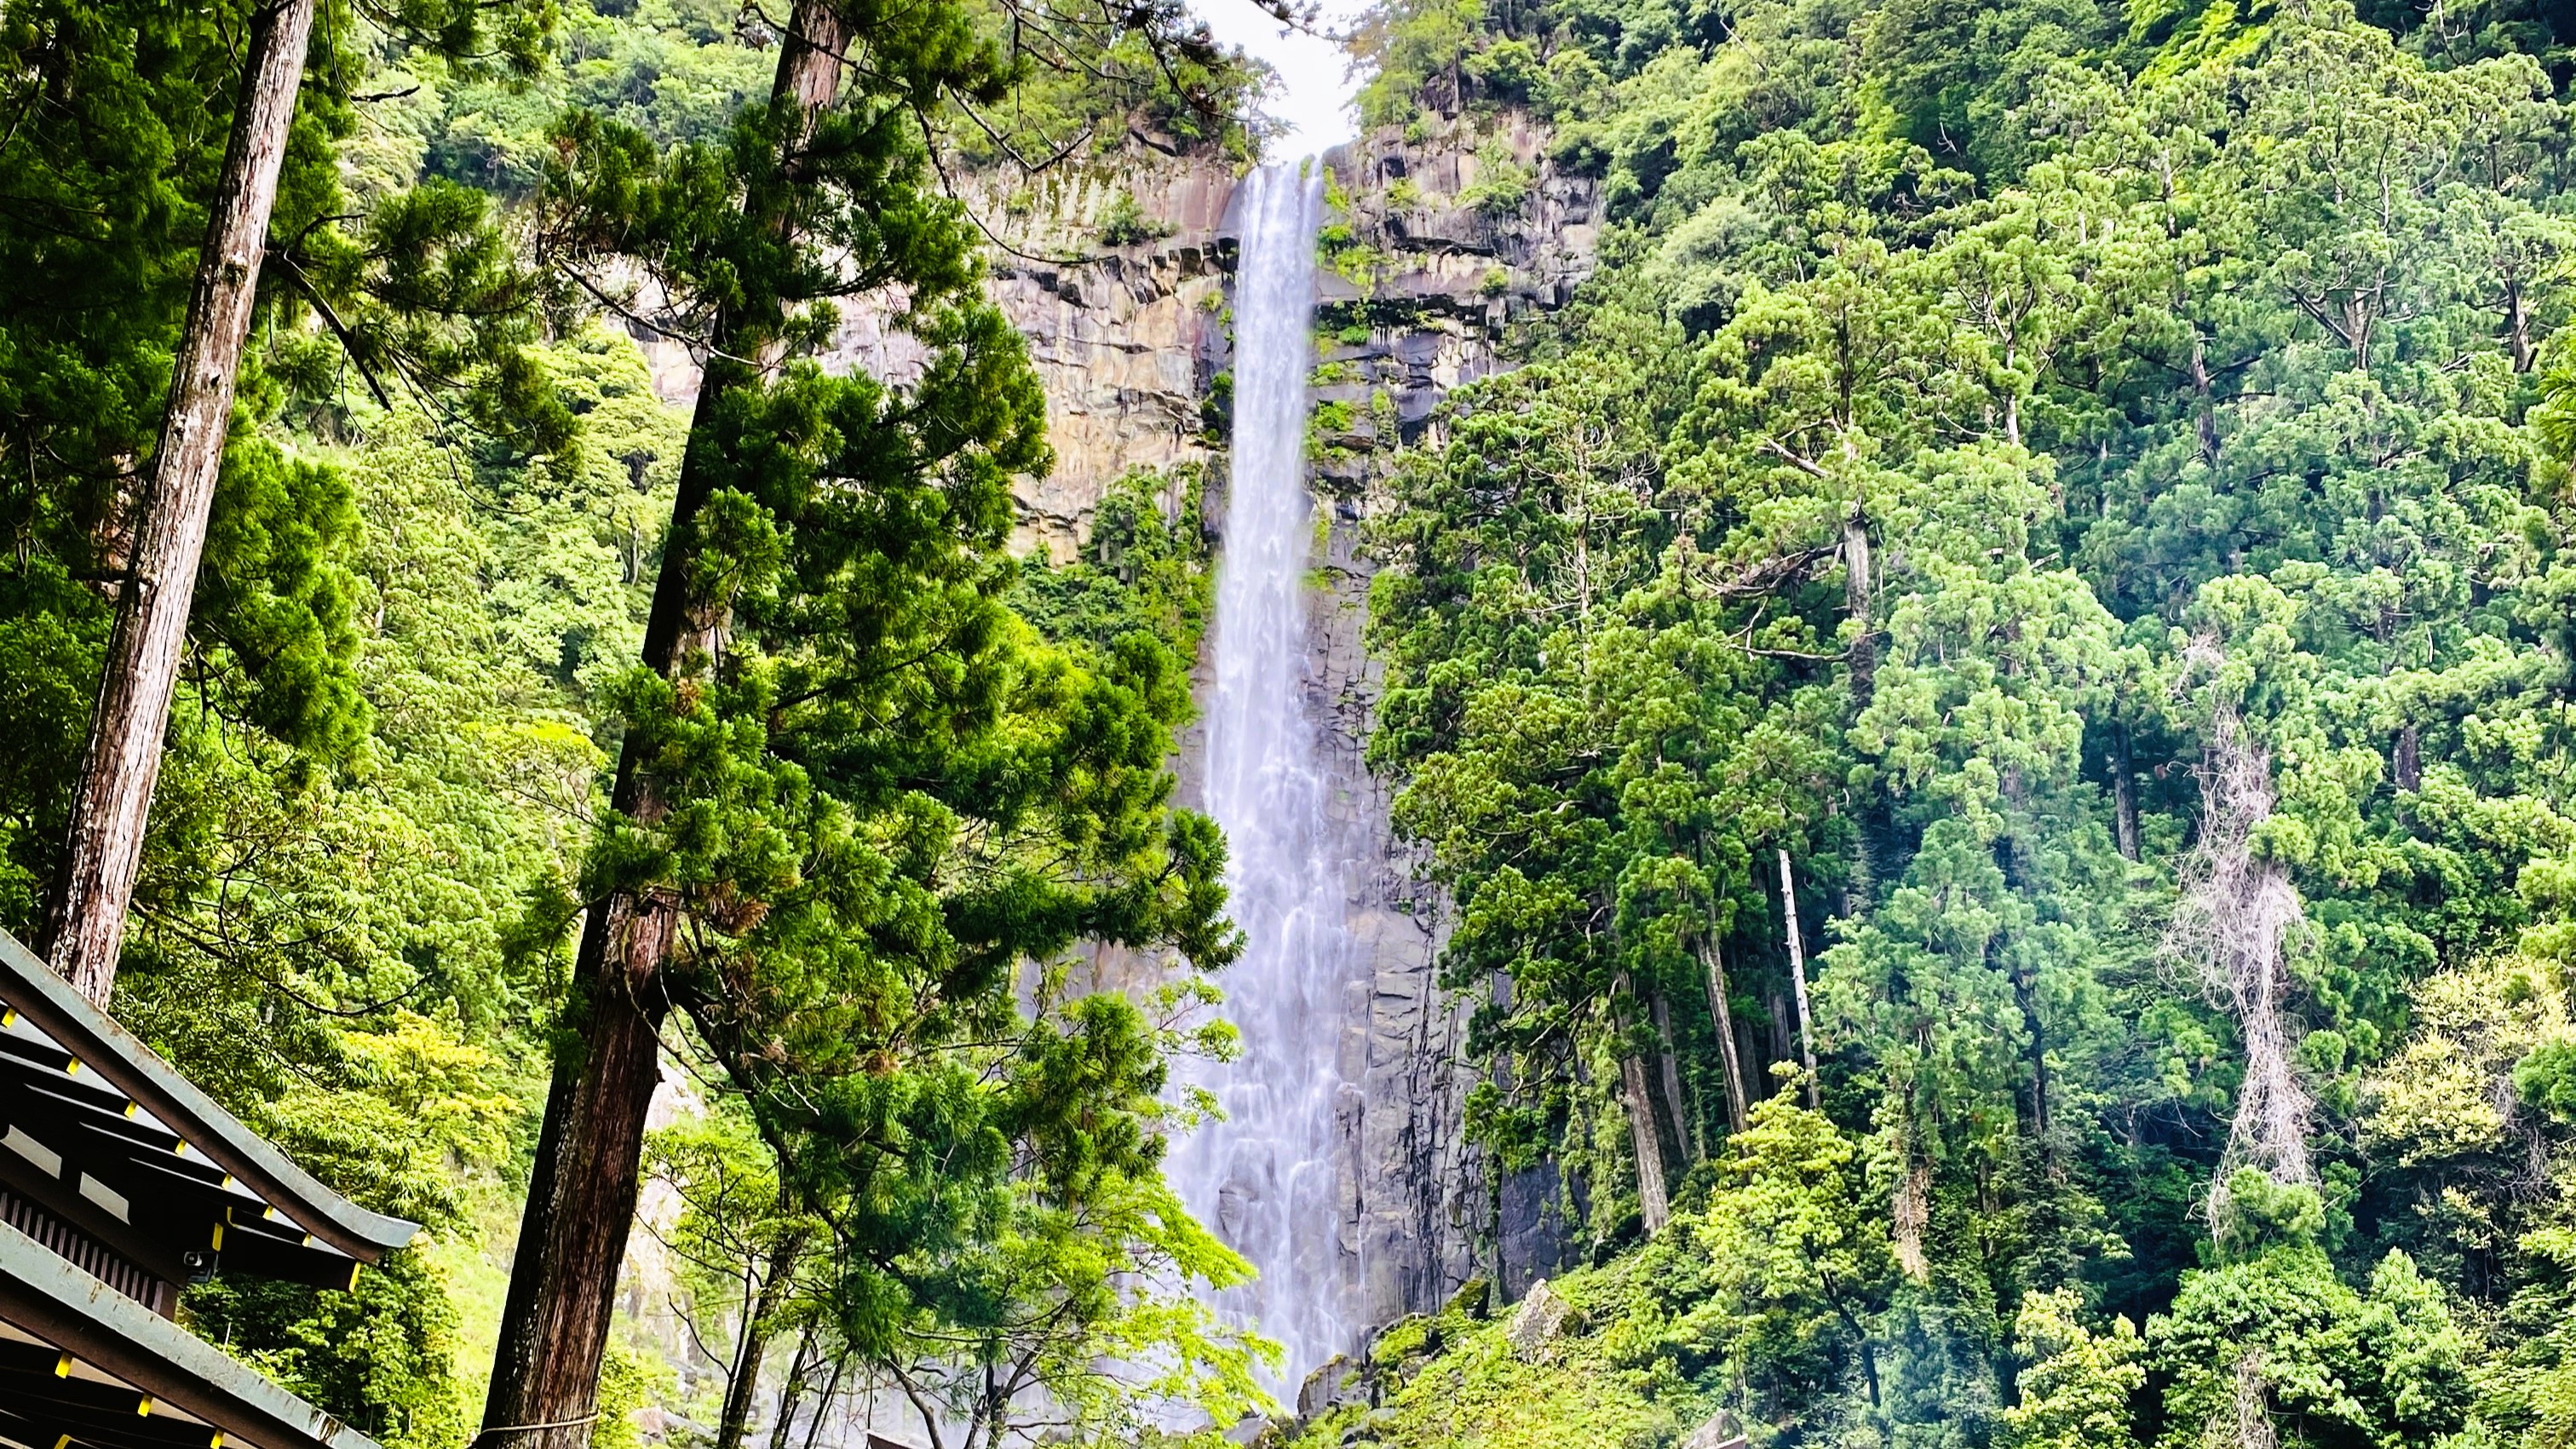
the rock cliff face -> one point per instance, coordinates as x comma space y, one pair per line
1454, 235
1447, 240
1127, 339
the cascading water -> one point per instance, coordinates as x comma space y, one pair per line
1266, 1179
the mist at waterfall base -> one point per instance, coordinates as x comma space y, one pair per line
1265, 1179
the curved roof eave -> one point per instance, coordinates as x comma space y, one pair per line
124, 1062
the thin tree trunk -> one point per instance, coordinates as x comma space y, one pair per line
2026, 989
760, 1318
85, 926
572, 1238
823, 1405
2124, 793
2518, 327
782, 1432
2408, 759
1798, 979
1724, 1015
1652, 1200
1643, 1133
2204, 401
1863, 659
1863, 664
1669, 1060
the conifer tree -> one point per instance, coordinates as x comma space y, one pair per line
854, 793
85, 925
154, 542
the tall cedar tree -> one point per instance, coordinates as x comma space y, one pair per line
86, 925
110, 150
851, 795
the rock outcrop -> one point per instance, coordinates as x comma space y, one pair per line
1127, 332
1537, 1323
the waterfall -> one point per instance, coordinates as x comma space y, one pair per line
1268, 1178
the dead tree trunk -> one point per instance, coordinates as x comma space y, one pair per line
1911, 1212
581, 1202
1798, 980
2233, 926
1653, 1201
2245, 1421
1724, 1016
85, 924
2517, 331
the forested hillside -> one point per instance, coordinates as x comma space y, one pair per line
2079, 495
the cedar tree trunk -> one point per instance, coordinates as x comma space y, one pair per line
581, 1199
1798, 979
85, 923
1724, 1015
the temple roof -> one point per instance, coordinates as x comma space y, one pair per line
103, 1133
82, 1362
119, 1181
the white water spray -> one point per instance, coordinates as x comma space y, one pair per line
1267, 1178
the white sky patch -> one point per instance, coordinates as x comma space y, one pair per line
1315, 86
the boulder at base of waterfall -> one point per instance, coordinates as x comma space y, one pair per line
1474, 1299
1718, 1433
1338, 1382
1540, 1319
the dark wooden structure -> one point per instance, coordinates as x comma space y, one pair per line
120, 1182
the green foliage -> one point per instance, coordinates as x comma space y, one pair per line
1455, 1379
2078, 1389
2279, 1332
1974, 407
1142, 572
387, 1348
1797, 1253
1502, 185
629, 1382
1123, 223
